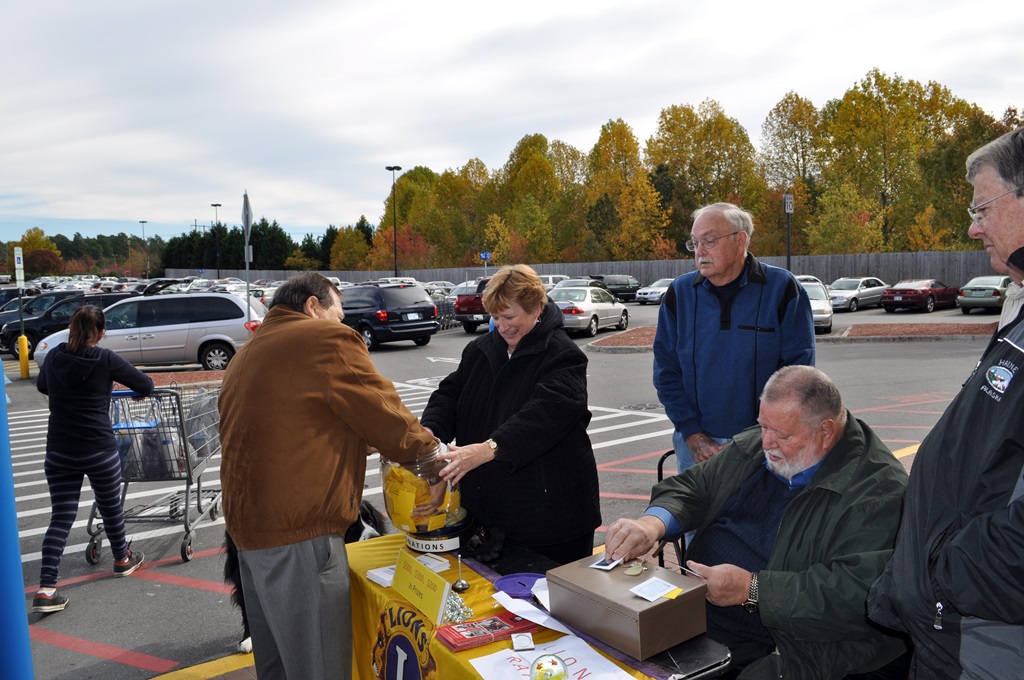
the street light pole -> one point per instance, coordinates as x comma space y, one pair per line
394, 210
216, 234
146, 246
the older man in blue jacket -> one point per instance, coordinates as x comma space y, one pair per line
722, 331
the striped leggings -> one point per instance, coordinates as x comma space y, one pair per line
64, 474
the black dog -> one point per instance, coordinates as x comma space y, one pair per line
369, 525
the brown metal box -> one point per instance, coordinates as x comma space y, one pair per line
599, 603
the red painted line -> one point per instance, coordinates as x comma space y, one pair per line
108, 574
627, 496
184, 581
609, 466
102, 651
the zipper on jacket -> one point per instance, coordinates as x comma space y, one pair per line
937, 622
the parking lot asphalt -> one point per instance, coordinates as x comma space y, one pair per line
193, 592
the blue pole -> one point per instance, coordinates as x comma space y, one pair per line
17, 660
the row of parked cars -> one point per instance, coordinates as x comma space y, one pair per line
927, 295
149, 327
923, 294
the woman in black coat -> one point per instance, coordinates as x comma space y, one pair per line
516, 409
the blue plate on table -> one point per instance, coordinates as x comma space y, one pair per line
518, 585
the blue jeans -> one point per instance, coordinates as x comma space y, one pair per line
684, 458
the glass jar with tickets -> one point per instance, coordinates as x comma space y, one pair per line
422, 505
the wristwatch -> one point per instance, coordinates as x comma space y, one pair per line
751, 604
494, 446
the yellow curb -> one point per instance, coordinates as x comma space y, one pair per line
906, 451
211, 669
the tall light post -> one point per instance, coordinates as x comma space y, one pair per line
394, 210
216, 221
146, 246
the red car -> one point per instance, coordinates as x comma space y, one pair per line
924, 294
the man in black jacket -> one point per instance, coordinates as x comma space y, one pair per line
955, 582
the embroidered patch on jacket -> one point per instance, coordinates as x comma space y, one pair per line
999, 378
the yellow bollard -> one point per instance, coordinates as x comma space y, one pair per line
23, 356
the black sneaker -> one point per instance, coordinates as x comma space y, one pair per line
134, 561
44, 604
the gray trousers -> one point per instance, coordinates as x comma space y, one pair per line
300, 615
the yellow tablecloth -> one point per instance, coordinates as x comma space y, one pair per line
391, 638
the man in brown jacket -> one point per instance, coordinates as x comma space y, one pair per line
300, 404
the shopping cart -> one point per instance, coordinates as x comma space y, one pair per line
169, 436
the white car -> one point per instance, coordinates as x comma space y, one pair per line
821, 305
589, 309
654, 292
182, 328
552, 280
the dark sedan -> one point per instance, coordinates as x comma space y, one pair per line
923, 294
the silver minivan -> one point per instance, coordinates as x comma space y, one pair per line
185, 328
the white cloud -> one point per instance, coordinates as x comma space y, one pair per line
115, 111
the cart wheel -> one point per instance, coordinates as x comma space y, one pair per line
215, 510
92, 551
186, 548
174, 510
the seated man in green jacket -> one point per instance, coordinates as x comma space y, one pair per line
795, 519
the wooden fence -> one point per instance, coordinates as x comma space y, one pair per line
953, 268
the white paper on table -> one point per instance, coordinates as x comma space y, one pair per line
540, 591
529, 612
653, 588
433, 562
581, 659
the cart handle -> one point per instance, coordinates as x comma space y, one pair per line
124, 393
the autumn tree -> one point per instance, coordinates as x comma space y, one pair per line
877, 133
568, 211
33, 239
413, 250
925, 235
944, 184
508, 246
708, 157
791, 144
844, 223
613, 162
643, 222
42, 262
349, 250
299, 261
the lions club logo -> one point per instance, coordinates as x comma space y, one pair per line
402, 647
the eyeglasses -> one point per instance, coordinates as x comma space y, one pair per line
973, 210
708, 243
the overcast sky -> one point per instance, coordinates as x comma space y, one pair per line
115, 112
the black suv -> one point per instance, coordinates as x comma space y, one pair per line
621, 286
8, 293
56, 318
389, 312
31, 306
